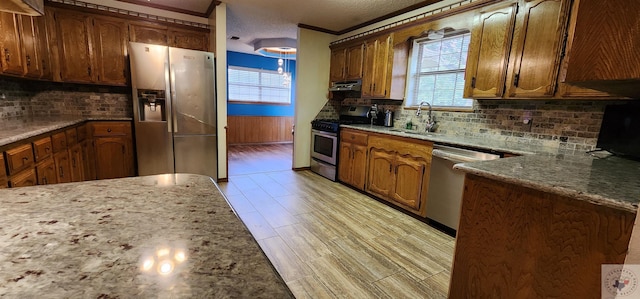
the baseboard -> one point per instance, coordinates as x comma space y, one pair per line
301, 168
223, 180
263, 143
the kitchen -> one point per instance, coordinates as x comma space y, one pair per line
318, 88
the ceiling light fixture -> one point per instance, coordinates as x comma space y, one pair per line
284, 48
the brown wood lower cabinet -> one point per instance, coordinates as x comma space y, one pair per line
76, 163
353, 158
24, 178
46, 172
63, 167
113, 149
399, 171
4, 183
517, 242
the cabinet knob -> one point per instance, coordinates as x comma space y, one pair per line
109, 130
7, 56
25, 159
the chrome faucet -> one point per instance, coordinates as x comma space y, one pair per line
430, 126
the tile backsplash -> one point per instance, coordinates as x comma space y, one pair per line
20, 97
564, 124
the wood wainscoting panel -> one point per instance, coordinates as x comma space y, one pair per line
259, 129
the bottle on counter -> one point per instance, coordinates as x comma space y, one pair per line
409, 124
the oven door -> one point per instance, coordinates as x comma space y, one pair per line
324, 146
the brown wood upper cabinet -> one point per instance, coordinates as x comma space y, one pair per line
10, 45
110, 47
602, 47
143, 32
73, 30
347, 62
533, 50
149, 33
378, 64
189, 39
337, 65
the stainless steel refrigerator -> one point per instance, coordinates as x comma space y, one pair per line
174, 109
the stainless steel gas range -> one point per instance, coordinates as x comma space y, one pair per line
325, 138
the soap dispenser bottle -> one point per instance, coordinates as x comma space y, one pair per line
409, 125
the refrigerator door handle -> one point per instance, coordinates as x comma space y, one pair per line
169, 100
172, 79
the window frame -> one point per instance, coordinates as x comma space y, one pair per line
413, 75
259, 86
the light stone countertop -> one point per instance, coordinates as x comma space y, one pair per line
111, 238
19, 128
608, 180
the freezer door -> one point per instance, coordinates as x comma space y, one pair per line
196, 154
193, 92
148, 64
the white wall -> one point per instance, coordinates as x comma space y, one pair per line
312, 87
221, 85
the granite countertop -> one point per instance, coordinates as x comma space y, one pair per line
112, 239
20, 128
606, 180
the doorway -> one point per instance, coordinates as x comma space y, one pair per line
257, 158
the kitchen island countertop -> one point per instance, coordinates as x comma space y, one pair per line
162, 236
24, 127
606, 180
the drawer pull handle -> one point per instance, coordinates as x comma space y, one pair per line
46, 149
61, 172
25, 159
109, 130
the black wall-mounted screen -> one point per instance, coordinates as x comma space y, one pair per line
620, 130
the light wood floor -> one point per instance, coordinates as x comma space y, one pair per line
329, 241
246, 159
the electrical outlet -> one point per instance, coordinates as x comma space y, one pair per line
526, 118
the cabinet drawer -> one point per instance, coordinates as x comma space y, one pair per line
82, 133
111, 129
42, 148
24, 179
59, 142
72, 136
353, 137
19, 158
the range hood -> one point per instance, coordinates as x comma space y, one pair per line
354, 85
23, 7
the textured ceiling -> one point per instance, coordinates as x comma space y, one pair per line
260, 19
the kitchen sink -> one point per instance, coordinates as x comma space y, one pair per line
413, 132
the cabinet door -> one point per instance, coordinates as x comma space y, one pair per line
11, 57
537, 45
75, 47
359, 166
377, 67
42, 41
88, 159
382, 66
354, 62
30, 47
338, 65
345, 168
368, 70
185, 39
76, 163
3, 173
63, 167
46, 172
489, 53
150, 34
409, 186
110, 46
380, 179
114, 158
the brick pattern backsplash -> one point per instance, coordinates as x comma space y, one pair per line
563, 124
35, 98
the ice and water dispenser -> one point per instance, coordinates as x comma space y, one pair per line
152, 105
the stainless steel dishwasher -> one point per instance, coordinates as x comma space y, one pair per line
446, 184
